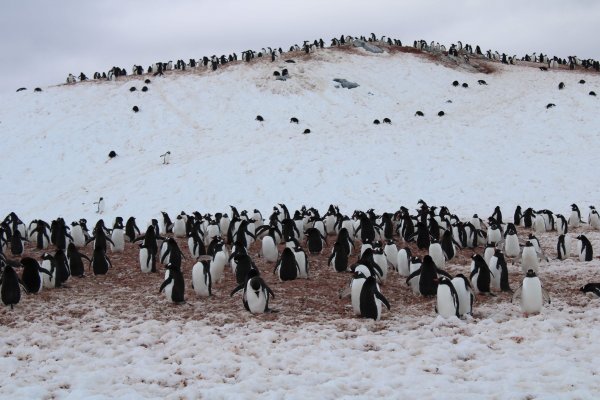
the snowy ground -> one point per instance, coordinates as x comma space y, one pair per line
114, 336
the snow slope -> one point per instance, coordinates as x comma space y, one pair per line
497, 144
114, 336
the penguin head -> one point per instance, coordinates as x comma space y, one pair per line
528, 244
530, 274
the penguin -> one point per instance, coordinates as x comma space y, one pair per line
100, 262
562, 225
101, 204
315, 240
533, 295
391, 253
32, 275
287, 267
371, 299
170, 252
594, 218
427, 277
449, 245
489, 251
17, 246
173, 285
562, 250
256, 293
179, 230
75, 259
494, 234
481, 276
40, 236
147, 259
131, 229
512, 248
584, 248
63, 271
302, 260
218, 262
447, 301
539, 224
591, 289
575, 217
48, 263
381, 261
499, 271
78, 234
360, 274
118, 238
196, 244
529, 258
465, 295
201, 279
243, 264
166, 157
10, 287
404, 256
437, 254
518, 216
338, 258
269, 249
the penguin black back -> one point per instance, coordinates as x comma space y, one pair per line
10, 290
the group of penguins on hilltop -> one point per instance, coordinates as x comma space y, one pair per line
216, 240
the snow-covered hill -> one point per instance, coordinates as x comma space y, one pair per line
496, 145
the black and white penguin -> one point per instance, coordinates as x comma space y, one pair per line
78, 234
427, 276
196, 243
302, 260
512, 248
131, 229
63, 271
75, 259
584, 248
518, 216
179, 229
315, 240
591, 289
268, 248
339, 257
391, 253
17, 246
533, 295
437, 254
147, 259
171, 253
371, 299
166, 157
100, 205
243, 264
256, 293
529, 258
562, 225
10, 287
48, 263
494, 234
499, 270
403, 261
575, 217
117, 236
562, 249
464, 291
201, 279
32, 275
594, 218
218, 262
447, 301
100, 262
481, 276
449, 245
173, 285
287, 267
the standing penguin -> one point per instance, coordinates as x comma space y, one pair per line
427, 277
499, 270
218, 262
447, 301
201, 279
584, 248
532, 294
338, 258
562, 226
100, 262
269, 248
449, 245
481, 276
32, 275
518, 216
562, 248
131, 229
256, 293
63, 271
173, 285
404, 256
465, 294
575, 217
529, 258
316, 241
179, 227
17, 246
10, 289
147, 259
48, 263
437, 254
594, 218
287, 267
75, 259
100, 204
118, 236
78, 234
371, 299
302, 260
391, 253
512, 247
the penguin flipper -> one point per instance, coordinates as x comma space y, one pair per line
383, 299
237, 289
165, 283
45, 271
269, 291
411, 276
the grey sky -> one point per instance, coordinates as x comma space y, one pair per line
43, 41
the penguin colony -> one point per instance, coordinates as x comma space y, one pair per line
194, 254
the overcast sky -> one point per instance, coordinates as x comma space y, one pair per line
43, 41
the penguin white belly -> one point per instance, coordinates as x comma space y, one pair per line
464, 296
257, 301
529, 260
179, 228
212, 231
163, 250
364, 247
437, 254
193, 253
217, 267
445, 302
391, 255
568, 245
329, 223
169, 289
300, 226
48, 281
382, 262
78, 236
269, 249
118, 238
594, 221
301, 260
539, 225
355, 289
145, 264
349, 227
494, 236
496, 273
580, 251
531, 296
488, 254
199, 280
403, 263
574, 219
511, 246
224, 224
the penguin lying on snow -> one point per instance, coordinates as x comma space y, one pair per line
591, 289
256, 293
